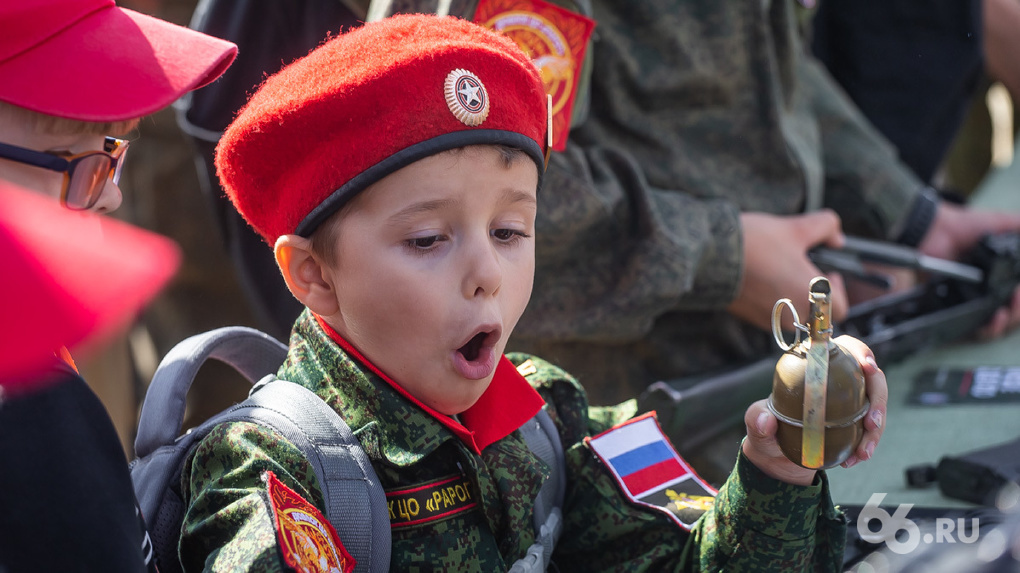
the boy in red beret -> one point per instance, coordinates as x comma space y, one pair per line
395, 170
74, 74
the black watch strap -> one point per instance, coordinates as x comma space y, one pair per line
921, 216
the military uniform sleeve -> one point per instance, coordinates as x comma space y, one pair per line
757, 524
613, 253
762, 524
228, 524
865, 182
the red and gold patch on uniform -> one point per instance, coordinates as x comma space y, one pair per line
432, 501
556, 40
307, 540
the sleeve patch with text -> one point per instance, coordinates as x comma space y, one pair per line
432, 501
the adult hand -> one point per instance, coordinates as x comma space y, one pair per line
776, 264
762, 449
955, 231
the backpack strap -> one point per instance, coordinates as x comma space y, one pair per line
543, 440
251, 352
352, 492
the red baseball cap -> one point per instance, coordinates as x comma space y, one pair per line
90, 60
70, 279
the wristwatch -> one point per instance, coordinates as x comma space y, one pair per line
920, 218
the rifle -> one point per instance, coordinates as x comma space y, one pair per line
953, 303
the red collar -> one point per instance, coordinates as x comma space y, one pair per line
506, 404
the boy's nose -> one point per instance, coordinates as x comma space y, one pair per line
484, 272
109, 200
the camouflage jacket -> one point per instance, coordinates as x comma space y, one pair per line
758, 523
699, 110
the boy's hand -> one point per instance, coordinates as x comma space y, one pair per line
762, 449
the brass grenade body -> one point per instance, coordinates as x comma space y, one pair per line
821, 420
845, 403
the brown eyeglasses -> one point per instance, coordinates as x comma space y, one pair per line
85, 174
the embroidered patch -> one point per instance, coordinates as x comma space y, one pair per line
650, 472
307, 540
555, 39
466, 97
431, 501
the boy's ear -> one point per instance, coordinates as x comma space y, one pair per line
304, 275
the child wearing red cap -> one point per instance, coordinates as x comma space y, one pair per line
395, 170
74, 74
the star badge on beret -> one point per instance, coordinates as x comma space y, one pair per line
466, 97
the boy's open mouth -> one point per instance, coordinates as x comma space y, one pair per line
473, 347
476, 358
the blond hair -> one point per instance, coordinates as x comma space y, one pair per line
52, 124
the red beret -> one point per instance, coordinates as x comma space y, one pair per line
368, 103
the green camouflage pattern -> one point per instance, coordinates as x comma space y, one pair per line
758, 523
699, 110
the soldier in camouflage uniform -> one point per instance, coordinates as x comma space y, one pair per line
684, 204
437, 249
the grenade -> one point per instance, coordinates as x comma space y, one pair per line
818, 391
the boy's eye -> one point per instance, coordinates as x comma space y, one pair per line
507, 234
423, 242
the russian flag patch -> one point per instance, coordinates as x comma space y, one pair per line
650, 472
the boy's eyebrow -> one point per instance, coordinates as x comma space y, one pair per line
509, 196
421, 207
512, 195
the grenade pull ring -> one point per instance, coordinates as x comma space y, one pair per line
777, 324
